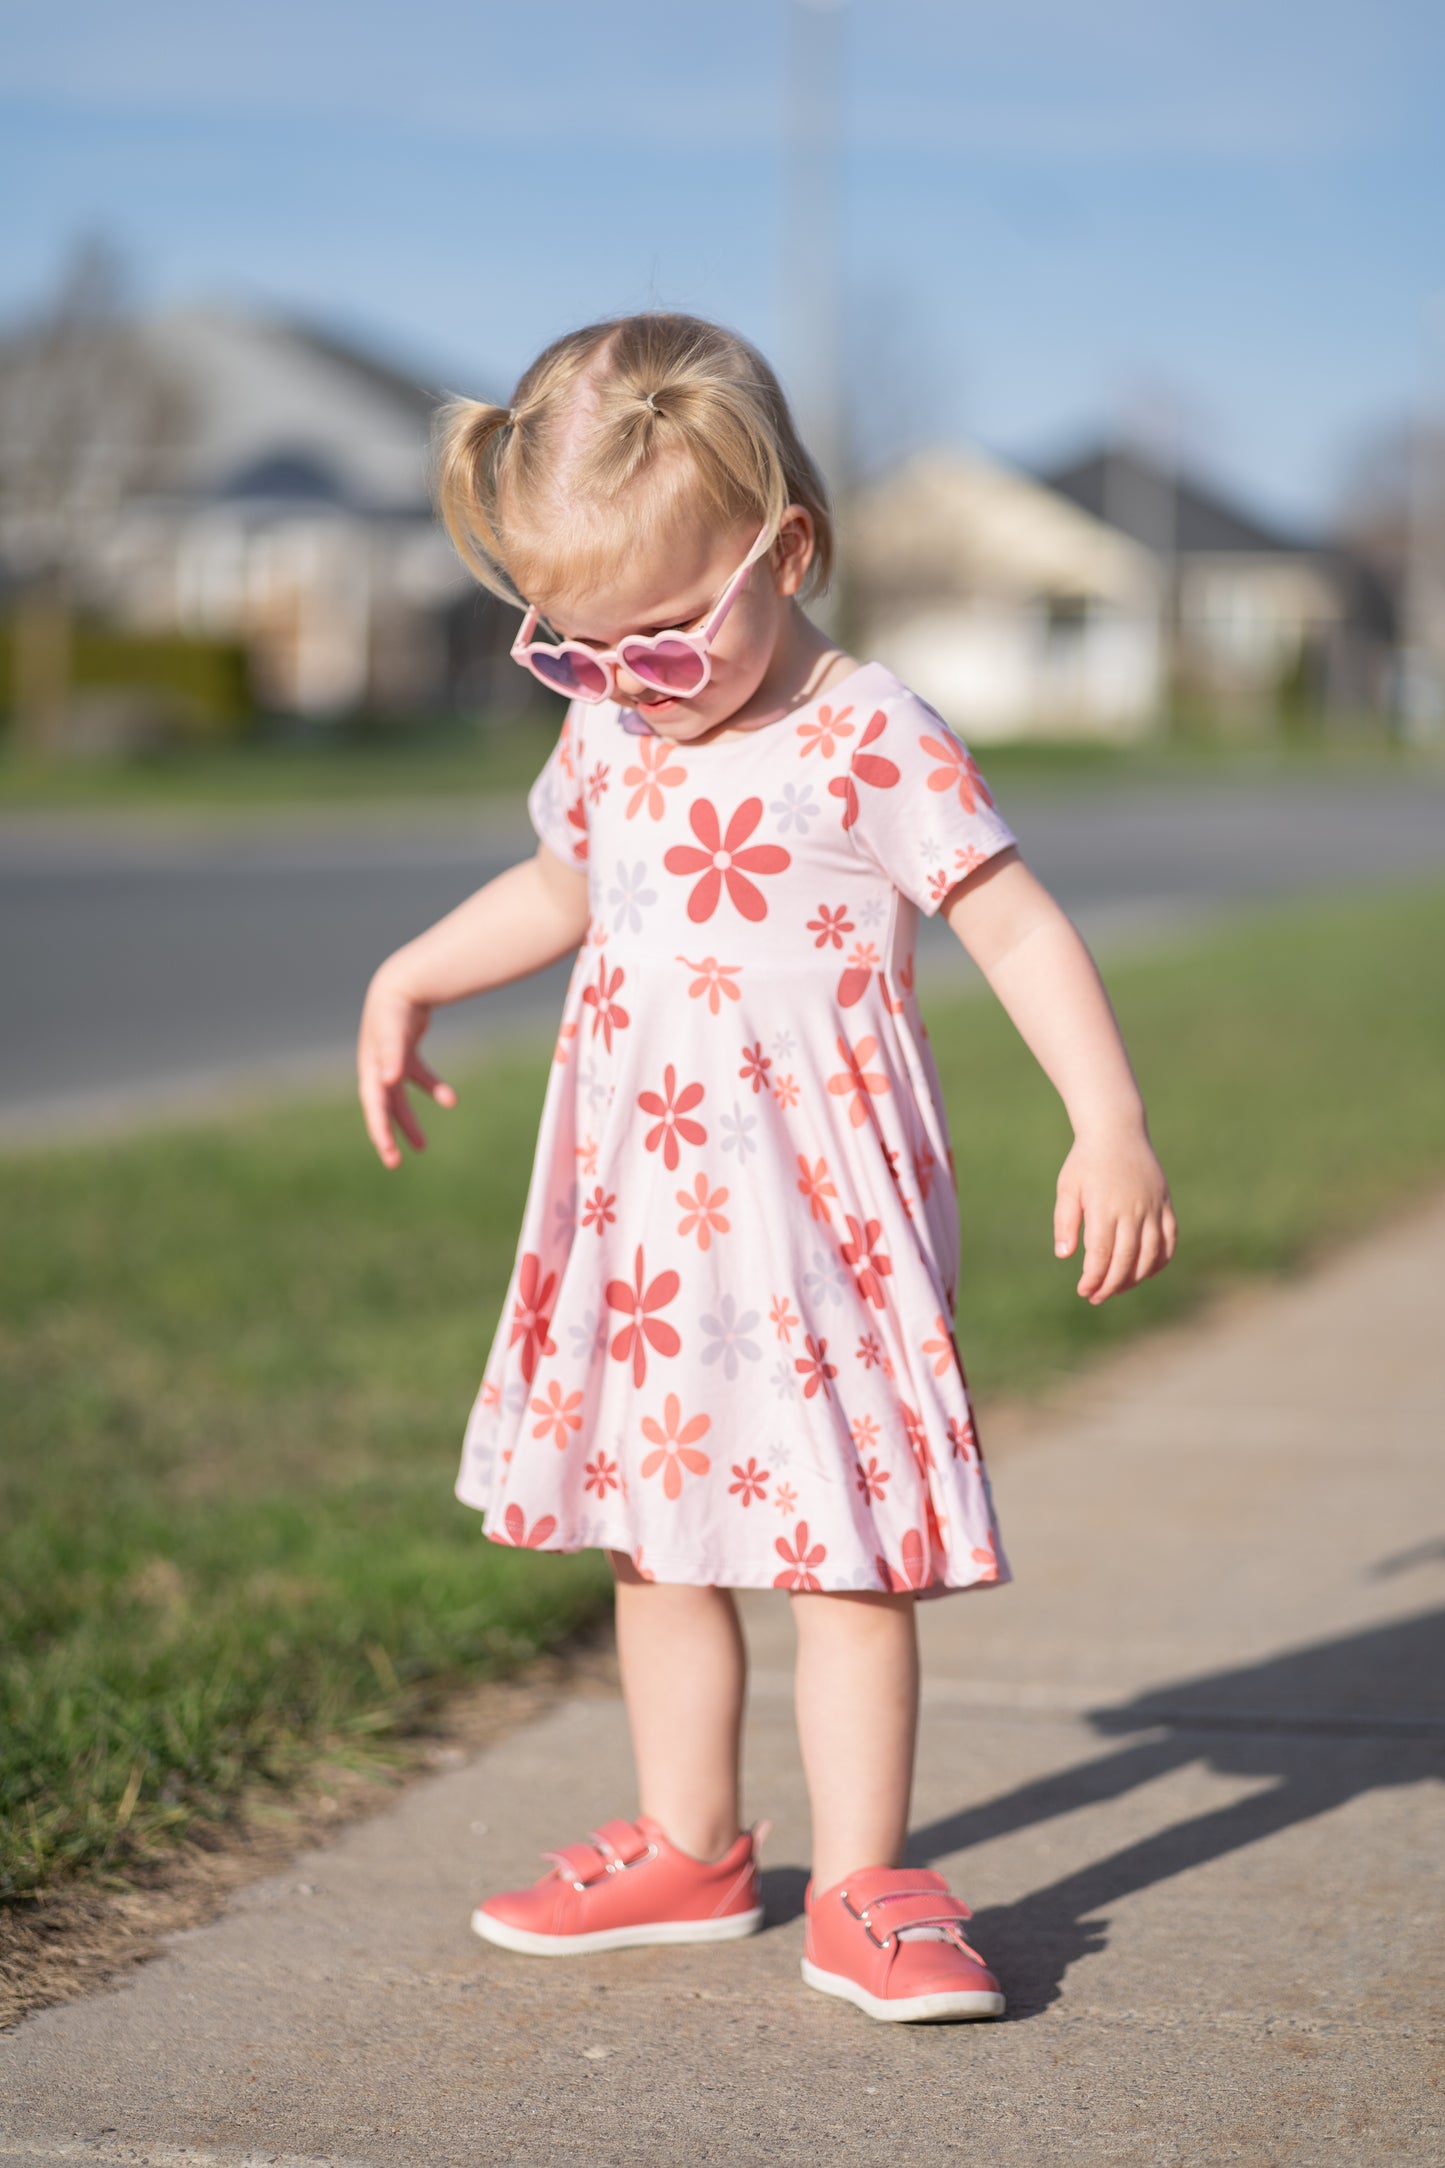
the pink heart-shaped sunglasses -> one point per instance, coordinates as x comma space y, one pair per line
674, 662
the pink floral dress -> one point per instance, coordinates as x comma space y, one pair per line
727, 1346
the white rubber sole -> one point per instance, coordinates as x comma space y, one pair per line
918, 2009
730, 1928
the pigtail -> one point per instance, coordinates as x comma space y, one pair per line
469, 445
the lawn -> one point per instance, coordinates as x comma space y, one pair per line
236, 1362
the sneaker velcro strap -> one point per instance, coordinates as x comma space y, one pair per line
579, 1862
621, 1839
885, 1914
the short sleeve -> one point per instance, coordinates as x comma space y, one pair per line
556, 802
916, 803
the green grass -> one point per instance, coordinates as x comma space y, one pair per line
236, 1363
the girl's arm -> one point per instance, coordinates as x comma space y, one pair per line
519, 923
1036, 962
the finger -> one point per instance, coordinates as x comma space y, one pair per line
423, 1074
1121, 1266
1171, 1232
1098, 1249
1151, 1251
1068, 1211
378, 1128
404, 1117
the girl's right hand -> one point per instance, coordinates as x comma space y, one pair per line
392, 1023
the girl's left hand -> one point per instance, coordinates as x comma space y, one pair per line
1116, 1187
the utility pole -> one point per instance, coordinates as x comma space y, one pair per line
1421, 696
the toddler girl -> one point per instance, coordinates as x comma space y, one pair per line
727, 1351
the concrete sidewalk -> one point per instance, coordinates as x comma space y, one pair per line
1186, 1770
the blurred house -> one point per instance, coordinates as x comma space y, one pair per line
1002, 603
1252, 615
295, 516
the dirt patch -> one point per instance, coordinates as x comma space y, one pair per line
74, 1941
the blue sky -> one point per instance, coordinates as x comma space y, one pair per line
1051, 212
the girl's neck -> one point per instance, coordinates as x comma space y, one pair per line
804, 664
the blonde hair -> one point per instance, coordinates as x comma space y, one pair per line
611, 433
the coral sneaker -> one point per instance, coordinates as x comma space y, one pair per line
890, 1939
628, 1884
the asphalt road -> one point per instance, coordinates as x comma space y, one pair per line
144, 966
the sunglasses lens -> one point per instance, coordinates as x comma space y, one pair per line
571, 673
669, 665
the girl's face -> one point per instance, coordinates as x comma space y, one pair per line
674, 585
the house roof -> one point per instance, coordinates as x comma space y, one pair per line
1163, 510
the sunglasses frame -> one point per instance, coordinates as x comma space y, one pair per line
524, 647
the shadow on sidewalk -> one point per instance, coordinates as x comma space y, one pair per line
1318, 1726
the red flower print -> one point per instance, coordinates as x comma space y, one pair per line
959, 771
918, 1440
642, 1326
564, 748
723, 858
814, 1366
914, 1571
644, 1572
870, 1265
577, 818
756, 1065
783, 1317
924, 1163
819, 737
867, 768
600, 997
963, 1438
869, 1351
752, 1482
531, 1314
987, 1558
799, 1560
816, 1187
673, 1119
853, 985
831, 924
940, 883
716, 980
515, 1523
601, 1475
560, 1413
656, 772
856, 1080
870, 1480
864, 1433
785, 1090
597, 1211
676, 1449
942, 1348
701, 1215
597, 781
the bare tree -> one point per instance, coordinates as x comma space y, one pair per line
88, 419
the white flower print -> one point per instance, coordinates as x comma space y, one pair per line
796, 808
730, 1337
871, 911
516, 1396
627, 896
589, 1337
564, 1219
783, 1045
737, 1129
785, 1383
828, 1279
929, 846
598, 1090
780, 1455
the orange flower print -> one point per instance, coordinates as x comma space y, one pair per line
864, 1433
644, 1572
642, 1328
491, 1393
870, 1479
783, 1317
531, 1314
560, 1413
967, 859
870, 1265
713, 982
987, 1559
597, 781
601, 1475
567, 1032
597, 1210
941, 1348
785, 1090
959, 772
940, 883
565, 748
799, 1560
673, 1117
587, 1154
676, 1449
866, 768
856, 1080
814, 1366
814, 1184
599, 996
830, 925
515, 1523
963, 1438
821, 736
752, 1482
577, 819
785, 1498
701, 1216
656, 771
723, 859
756, 1065
853, 985
913, 1573
917, 1436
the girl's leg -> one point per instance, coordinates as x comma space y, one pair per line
684, 1672
857, 1703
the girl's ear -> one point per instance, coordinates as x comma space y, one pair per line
794, 548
